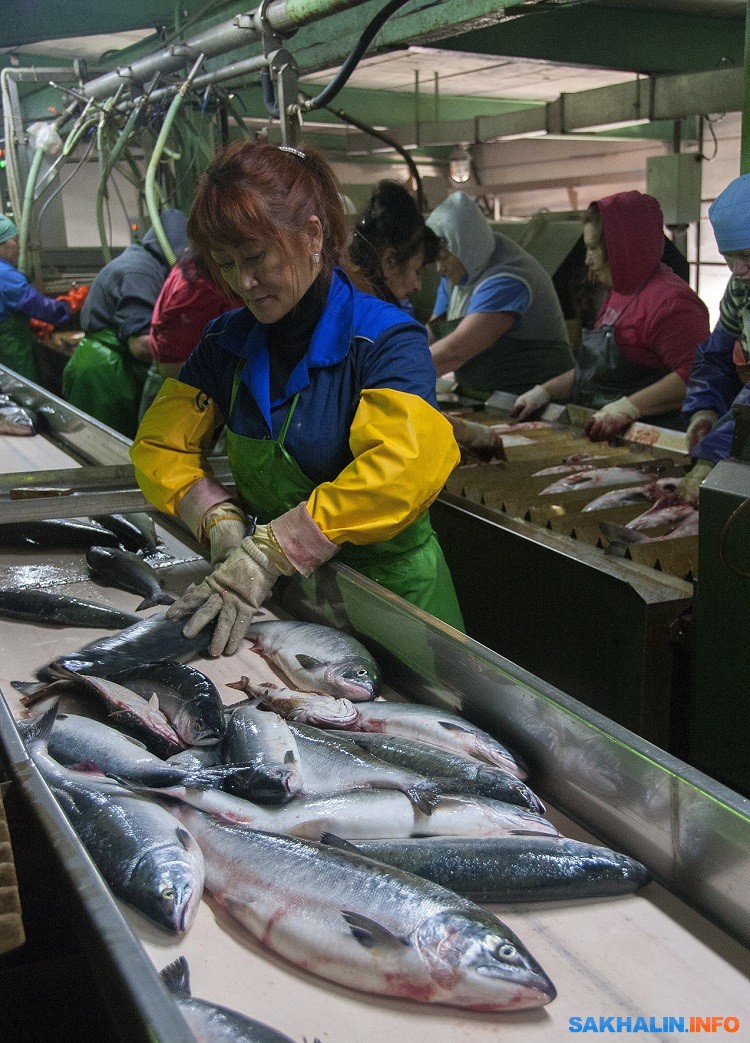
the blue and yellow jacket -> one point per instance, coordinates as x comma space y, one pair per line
366, 428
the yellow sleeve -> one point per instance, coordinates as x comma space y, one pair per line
403, 450
169, 446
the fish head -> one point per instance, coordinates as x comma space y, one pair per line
169, 882
479, 963
200, 727
355, 679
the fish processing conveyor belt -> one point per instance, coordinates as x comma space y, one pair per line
677, 948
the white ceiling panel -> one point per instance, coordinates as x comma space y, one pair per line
472, 75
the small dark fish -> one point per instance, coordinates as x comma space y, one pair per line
451, 772
127, 571
42, 606
188, 699
317, 658
262, 744
56, 533
135, 532
15, 419
151, 640
210, 1021
509, 869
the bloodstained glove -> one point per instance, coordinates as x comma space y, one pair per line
225, 526
688, 487
701, 424
611, 419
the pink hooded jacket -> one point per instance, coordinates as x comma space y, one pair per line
658, 319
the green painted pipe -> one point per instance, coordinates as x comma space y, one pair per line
28, 202
101, 191
153, 163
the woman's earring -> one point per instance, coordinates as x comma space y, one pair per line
315, 258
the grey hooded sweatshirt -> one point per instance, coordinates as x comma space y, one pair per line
123, 294
536, 347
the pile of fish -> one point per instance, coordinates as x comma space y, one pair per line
15, 419
349, 834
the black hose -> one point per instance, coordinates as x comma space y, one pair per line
387, 141
328, 93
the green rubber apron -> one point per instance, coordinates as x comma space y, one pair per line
104, 380
411, 564
17, 346
510, 364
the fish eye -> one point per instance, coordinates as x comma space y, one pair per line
506, 950
169, 894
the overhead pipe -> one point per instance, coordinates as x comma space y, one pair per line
280, 17
112, 156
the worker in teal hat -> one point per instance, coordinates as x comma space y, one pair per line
720, 377
19, 302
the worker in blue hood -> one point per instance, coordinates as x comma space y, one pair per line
106, 375
497, 322
19, 302
720, 377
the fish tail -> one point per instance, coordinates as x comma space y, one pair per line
423, 795
40, 728
160, 598
176, 976
333, 840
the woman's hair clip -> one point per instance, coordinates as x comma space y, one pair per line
294, 151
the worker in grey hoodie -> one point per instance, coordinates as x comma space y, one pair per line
105, 376
497, 322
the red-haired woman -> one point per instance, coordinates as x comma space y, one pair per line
334, 438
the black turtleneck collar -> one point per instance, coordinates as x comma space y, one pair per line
289, 338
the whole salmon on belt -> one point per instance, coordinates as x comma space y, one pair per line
45, 606
146, 856
365, 925
127, 570
317, 658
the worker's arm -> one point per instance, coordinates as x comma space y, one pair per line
474, 334
140, 347
663, 396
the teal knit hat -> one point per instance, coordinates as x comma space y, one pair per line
7, 229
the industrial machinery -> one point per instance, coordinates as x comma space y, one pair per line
600, 780
538, 581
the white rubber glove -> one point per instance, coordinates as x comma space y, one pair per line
691, 483
611, 419
234, 592
701, 424
225, 527
529, 402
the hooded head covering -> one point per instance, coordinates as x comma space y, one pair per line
466, 232
633, 230
730, 215
7, 229
174, 223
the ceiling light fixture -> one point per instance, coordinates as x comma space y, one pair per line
459, 165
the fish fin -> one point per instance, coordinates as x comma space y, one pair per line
176, 976
186, 839
243, 685
153, 702
454, 726
307, 662
423, 795
332, 840
160, 598
235, 906
369, 933
40, 728
29, 687
290, 757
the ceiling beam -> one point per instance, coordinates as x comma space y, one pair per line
646, 99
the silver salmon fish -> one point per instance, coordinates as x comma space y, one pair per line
317, 658
510, 869
365, 925
45, 606
145, 855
